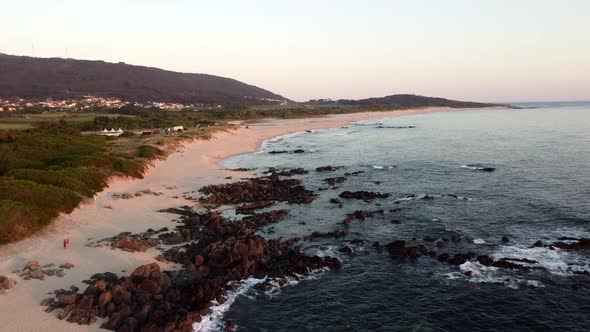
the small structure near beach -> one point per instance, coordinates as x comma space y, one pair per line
175, 129
112, 132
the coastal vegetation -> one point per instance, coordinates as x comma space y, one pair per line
52, 168
51, 162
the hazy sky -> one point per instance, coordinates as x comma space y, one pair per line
486, 50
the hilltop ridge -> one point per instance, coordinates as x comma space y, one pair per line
58, 78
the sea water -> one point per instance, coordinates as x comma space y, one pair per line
539, 190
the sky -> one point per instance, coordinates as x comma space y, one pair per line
481, 50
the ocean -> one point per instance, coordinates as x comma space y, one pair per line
539, 190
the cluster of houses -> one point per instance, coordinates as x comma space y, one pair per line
84, 103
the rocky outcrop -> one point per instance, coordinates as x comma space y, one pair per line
271, 188
364, 195
326, 169
401, 249
153, 300
579, 244
131, 244
334, 234
6, 284
250, 208
33, 270
360, 215
334, 181
290, 172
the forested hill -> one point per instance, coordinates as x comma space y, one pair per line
409, 101
59, 78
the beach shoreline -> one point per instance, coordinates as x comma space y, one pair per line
177, 178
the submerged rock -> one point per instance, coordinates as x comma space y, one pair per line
360, 215
364, 195
334, 181
326, 169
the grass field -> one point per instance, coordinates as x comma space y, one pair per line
27, 121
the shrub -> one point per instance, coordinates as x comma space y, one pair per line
85, 181
18, 220
129, 167
149, 152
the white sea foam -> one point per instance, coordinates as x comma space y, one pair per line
477, 273
330, 251
560, 262
265, 144
279, 284
479, 241
214, 320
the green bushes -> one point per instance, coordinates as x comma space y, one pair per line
148, 151
46, 171
47, 198
18, 220
86, 181
129, 167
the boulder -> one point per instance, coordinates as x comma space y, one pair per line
334, 181
6, 283
66, 311
67, 299
364, 195
150, 286
458, 259
146, 270
104, 299
31, 266
131, 244
326, 169
37, 274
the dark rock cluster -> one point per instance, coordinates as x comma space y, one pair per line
360, 215
153, 300
270, 188
326, 169
364, 195
335, 180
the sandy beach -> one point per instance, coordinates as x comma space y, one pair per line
193, 166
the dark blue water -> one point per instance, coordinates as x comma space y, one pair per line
540, 190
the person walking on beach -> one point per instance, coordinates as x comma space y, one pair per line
66, 243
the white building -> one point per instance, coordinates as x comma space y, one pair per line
112, 132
